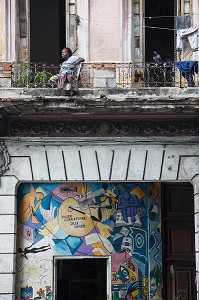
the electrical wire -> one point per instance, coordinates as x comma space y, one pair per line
143, 26
135, 16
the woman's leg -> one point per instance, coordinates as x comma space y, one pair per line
73, 83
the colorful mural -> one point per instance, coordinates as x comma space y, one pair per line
117, 219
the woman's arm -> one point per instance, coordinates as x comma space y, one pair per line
78, 61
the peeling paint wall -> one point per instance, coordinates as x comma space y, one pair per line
188, 8
103, 33
23, 55
138, 39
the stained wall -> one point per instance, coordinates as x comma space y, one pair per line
105, 30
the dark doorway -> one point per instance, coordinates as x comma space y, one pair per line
178, 241
84, 279
159, 14
47, 30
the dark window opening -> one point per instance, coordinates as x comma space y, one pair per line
83, 279
47, 30
160, 40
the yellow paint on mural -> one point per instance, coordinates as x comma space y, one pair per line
138, 191
28, 207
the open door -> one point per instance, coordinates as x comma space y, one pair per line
47, 30
178, 241
85, 278
159, 15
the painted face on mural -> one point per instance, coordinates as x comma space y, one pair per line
153, 287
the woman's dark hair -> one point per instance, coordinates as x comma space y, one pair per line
69, 51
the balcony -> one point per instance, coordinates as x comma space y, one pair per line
114, 99
109, 75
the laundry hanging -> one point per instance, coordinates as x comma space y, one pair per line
192, 34
187, 69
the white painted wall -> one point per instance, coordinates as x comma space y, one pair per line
11, 29
83, 29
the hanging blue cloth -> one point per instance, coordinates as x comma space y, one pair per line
187, 65
187, 69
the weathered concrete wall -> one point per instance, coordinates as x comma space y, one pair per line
102, 162
104, 33
105, 30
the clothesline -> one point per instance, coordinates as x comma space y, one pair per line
155, 17
164, 28
153, 27
146, 26
150, 17
136, 16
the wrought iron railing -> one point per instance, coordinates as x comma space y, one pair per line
32, 75
110, 75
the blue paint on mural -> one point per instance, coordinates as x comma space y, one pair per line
118, 219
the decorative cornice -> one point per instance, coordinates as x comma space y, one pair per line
4, 158
103, 128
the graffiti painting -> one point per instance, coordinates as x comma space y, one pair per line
81, 219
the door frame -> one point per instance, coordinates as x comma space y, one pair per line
108, 271
172, 264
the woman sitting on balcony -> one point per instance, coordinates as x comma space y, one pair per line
67, 77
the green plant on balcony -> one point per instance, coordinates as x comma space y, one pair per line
25, 76
21, 74
41, 78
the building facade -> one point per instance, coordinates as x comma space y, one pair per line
99, 191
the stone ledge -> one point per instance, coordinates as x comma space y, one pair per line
106, 103
141, 92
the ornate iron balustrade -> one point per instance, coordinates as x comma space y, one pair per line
109, 75
32, 75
